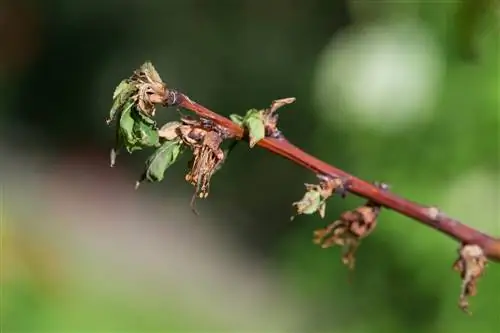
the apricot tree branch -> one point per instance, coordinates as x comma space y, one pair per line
427, 215
134, 106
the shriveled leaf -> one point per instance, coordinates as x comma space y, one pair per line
156, 165
135, 131
275, 105
122, 87
237, 119
169, 130
310, 203
147, 134
121, 95
126, 127
255, 125
150, 71
471, 265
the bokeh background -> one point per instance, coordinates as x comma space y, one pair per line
405, 92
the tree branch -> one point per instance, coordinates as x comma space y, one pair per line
134, 101
427, 215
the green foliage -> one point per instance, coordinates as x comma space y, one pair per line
121, 97
310, 203
253, 122
164, 156
135, 130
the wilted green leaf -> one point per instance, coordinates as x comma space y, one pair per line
310, 203
121, 95
161, 160
126, 126
256, 129
134, 131
237, 119
146, 133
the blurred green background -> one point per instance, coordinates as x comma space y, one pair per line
406, 92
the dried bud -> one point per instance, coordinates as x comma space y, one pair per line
471, 265
349, 230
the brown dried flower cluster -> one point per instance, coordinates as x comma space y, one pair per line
205, 141
471, 265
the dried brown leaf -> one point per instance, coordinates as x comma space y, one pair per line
471, 265
276, 104
150, 88
348, 231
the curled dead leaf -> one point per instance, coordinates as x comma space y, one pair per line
276, 104
348, 231
471, 265
150, 88
270, 117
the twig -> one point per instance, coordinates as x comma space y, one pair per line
427, 215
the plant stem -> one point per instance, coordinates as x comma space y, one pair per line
426, 215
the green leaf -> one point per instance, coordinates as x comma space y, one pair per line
134, 131
121, 95
146, 133
310, 203
255, 124
126, 128
237, 119
161, 160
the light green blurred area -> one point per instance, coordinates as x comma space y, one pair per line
387, 98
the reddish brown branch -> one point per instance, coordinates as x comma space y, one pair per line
427, 215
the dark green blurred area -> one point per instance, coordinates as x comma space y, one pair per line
61, 60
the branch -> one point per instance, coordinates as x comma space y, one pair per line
426, 215
135, 99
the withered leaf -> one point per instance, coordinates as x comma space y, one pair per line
150, 72
121, 95
169, 131
348, 231
471, 265
314, 200
207, 157
126, 128
310, 203
276, 104
256, 128
146, 133
133, 132
164, 156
